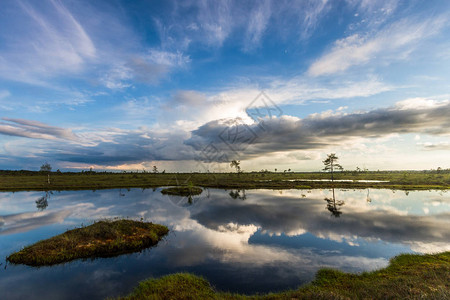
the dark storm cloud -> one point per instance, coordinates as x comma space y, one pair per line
129, 147
438, 146
319, 131
286, 133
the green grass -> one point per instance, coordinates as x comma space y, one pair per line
182, 191
101, 239
408, 276
406, 180
175, 286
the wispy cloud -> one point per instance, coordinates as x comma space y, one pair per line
149, 68
213, 23
44, 44
258, 21
393, 42
313, 11
34, 129
371, 14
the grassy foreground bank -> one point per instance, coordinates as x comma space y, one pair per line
101, 239
407, 180
407, 277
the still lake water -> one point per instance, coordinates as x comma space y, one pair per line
252, 241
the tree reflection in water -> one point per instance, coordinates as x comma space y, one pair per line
237, 194
334, 206
42, 202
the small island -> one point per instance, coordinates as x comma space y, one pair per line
102, 239
182, 191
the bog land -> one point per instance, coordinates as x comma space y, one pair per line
406, 180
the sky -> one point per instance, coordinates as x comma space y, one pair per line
191, 85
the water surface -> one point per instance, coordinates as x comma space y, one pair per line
241, 241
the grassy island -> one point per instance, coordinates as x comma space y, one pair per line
182, 191
101, 239
408, 276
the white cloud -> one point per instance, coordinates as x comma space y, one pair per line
420, 103
171, 59
394, 42
117, 78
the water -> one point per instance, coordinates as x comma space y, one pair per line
241, 241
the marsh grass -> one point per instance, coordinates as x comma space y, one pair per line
407, 180
102, 239
408, 276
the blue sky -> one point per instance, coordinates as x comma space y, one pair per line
125, 85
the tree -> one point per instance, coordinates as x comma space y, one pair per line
331, 164
155, 169
46, 167
235, 164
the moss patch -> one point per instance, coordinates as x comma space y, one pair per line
175, 286
407, 277
182, 191
101, 239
